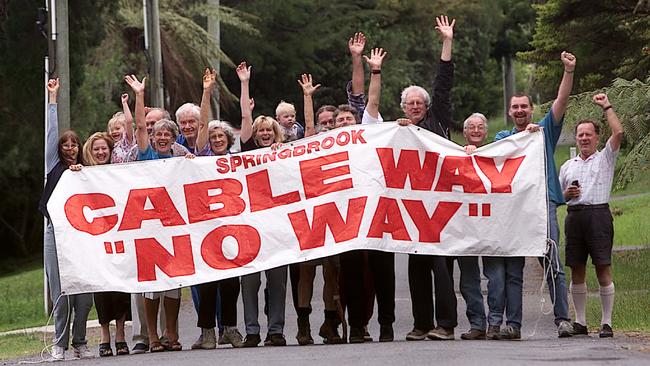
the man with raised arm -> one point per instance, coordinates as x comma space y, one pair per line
506, 274
586, 181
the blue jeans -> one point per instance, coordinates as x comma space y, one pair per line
276, 283
505, 285
556, 278
470, 288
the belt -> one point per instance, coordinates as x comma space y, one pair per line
588, 207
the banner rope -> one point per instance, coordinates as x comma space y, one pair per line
47, 347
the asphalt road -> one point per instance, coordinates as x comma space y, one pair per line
539, 344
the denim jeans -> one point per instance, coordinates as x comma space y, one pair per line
276, 283
505, 285
66, 307
556, 277
470, 288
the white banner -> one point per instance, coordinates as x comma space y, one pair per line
157, 225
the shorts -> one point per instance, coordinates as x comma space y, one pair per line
172, 294
589, 231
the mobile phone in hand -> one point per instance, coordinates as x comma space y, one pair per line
575, 183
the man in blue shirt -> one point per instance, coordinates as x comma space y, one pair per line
505, 274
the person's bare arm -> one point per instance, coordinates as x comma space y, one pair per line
374, 90
52, 133
356, 44
612, 120
141, 135
128, 118
308, 89
209, 81
559, 105
244, 74
446, 30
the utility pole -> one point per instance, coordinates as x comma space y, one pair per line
214, 29
151, 13
61, 64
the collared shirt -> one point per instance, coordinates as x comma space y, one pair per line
551, 132
594, 174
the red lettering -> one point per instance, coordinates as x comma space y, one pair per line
343, 138
235, 161
260, 194
163, 209
313, 146
459, 171
74, 212
150, 254
314, 176
284, 154
500, 182
248, 242
248, 161
408, 164
388, 219
430, 227
222, 165
198, 199
357, 137
299, 150
268, 157
328, 215
327, 142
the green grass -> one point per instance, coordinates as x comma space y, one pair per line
20, 345
630, 227
632, 299
21, 304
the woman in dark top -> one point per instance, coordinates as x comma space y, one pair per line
61, 152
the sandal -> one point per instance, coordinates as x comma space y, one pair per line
174, 346
121, 348
156, 347
105, 350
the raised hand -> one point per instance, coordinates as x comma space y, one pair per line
136, 85
357, 43
251, 102
445, 28
601, 100
244, 71
376, 58
53, 85
308, 88
125, 98
209, 79
569, 61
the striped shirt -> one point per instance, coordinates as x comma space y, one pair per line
594, 174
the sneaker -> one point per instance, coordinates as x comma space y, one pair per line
356, 335
606, 331
579, 329
139, 348
233, 337
275, 340
440, 333
565, 329
510, 333
416, 335
473, 334
58, 353
386, 333
82, 351
196, 345
209, 338
252, 340
493, 332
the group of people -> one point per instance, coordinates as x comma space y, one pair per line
354, 279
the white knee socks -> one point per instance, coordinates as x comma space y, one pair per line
579, 295
607, 303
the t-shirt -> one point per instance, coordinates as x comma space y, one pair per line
122, 149
551, 136
151, 154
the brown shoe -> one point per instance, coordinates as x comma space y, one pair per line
441, 334
473, 334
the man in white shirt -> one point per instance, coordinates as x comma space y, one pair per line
586, 182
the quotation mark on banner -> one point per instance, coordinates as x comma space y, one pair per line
485, 209
119, 247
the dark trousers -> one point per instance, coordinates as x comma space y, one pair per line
420, 268
208, 304
382, 269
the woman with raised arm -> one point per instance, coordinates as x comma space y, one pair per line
61, 152
164, 135
263, 132
215, 138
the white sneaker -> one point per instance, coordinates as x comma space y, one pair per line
82, 351
58, 353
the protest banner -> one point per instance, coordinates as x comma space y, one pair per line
169, 223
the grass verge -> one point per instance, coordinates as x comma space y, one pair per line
20, 345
